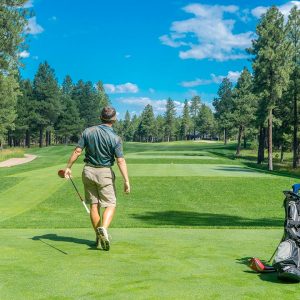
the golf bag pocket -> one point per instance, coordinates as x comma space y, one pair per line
286, 261
292, 216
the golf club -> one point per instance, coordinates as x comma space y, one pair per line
61, 173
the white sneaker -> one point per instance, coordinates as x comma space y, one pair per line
103, 237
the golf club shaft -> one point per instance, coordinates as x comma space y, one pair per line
86, 208
276, 249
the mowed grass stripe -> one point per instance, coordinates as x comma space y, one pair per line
170, 202
142, 264
26, 194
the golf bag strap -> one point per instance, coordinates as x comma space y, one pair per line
291, 223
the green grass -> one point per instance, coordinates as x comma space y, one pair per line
194, 216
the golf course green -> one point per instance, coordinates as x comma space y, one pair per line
193, 218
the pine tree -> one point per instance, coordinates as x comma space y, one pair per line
271, 66
244, 105
185, 121
47, 94
9, 92
205, 121
223, 106
293, 36
147, 125
194, 111
103, 98
170, 116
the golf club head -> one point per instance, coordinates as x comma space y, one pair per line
61, 173
258, 266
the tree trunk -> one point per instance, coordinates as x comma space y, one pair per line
41, 137
225, 136
47, 138
281, 153
245, 141
270, 140
295, 132
238, 149
261, 144
27, 138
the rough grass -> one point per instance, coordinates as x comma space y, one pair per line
11, 153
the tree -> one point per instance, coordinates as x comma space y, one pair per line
12, 23
293, 36
170, 116
127, 127
185, 121
103, 99
147, 125
47, 94
271, 65
223, 107
205, 121
9, 92
69, 124
194, 111
244, 105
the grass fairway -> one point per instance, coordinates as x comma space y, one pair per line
193, 218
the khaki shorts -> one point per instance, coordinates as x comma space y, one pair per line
99, 186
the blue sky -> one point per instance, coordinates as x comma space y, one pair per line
145, 51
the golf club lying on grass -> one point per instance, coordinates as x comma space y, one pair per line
61, 173
258, 266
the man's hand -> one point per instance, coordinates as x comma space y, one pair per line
68, 173
126, 187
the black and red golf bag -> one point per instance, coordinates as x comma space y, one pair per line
287, 258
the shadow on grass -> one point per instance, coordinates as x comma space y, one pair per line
57, 238
189, 218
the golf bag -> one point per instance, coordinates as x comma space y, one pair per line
287, 258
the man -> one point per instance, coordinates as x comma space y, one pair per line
102, 146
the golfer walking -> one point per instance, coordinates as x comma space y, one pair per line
102, 146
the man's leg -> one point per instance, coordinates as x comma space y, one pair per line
107, 216
95, 217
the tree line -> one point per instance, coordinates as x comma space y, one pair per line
261, 108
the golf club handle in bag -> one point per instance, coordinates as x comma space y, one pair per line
83, 202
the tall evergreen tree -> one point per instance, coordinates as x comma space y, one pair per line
103, 98
205, 121
223, 106
194, 111
244, 105
170, 116
271, 65
293, 36
127, 127
185, 121
147, 125
47, 94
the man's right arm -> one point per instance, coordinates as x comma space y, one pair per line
123, 169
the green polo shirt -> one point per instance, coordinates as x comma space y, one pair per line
101, 145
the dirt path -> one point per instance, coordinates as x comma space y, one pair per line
17, 161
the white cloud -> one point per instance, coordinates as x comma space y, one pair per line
24, 54
121, 88
231, 75
195, 82
284, 8
33, 27
159, 106
152, 91
208, 34
28, 4
53, 18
